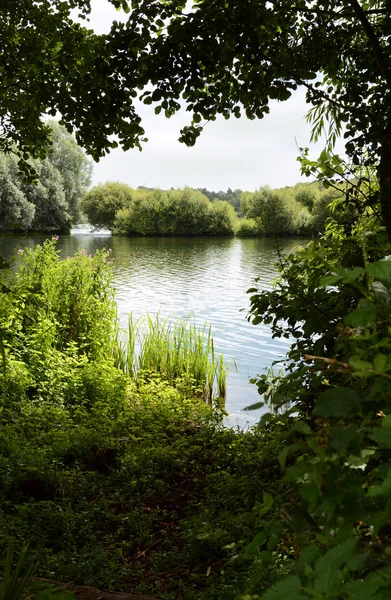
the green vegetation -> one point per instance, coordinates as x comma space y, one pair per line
231, 196
301, 210
177, 351
101, 203
333, 300
304, 209
51, 203
157, 212
113, 475
135, 485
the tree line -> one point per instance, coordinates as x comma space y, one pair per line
51, 201
58, 198
301, 210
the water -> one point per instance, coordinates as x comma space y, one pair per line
202, 277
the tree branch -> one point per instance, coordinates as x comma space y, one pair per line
372, 37
322, 95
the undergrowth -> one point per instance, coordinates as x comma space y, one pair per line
121, 482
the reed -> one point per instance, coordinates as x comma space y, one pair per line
124, 347
176, 350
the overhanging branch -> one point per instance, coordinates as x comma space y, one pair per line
373, 39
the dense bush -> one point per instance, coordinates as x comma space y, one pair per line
301, 210
102, 202
277, 212
175, 212
247, 228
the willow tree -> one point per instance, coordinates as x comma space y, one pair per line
223, 57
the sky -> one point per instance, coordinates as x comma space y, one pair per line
237, 153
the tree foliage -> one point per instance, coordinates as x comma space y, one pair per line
157, 212
73, 166
51, 202
175, 212
218, 58
231, 196
333, 301
15, 210
101, 203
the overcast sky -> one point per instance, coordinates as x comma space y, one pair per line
237, 153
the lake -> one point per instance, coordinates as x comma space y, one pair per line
204, 278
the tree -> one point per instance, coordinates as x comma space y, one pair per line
48, 198
219, 58
276, 212
49, 63
51, 203
72, 165
16, 211
222, 218
102, 202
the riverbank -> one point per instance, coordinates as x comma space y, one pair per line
203, 278
115, 481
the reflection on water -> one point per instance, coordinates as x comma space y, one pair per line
202, 277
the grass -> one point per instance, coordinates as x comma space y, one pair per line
177, 351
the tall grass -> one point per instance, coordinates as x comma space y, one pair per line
176, 350
63, 303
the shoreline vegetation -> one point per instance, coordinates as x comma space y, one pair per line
115, 467
53, 196
302, 210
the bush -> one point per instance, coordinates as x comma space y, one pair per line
101, 203
247, 228
175, 212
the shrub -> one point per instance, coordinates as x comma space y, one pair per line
247, 228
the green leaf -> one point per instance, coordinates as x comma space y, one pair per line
380, 291
342, 436
357, 563
254, 406
283, 456
386, 422
330, 280
327, 568
384, 489
366, 589
381, 270
268, 499
256, 543
350, 275
287, 589
382, 435
301, 427
380, 363
364, 316
337, 402
360, 365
